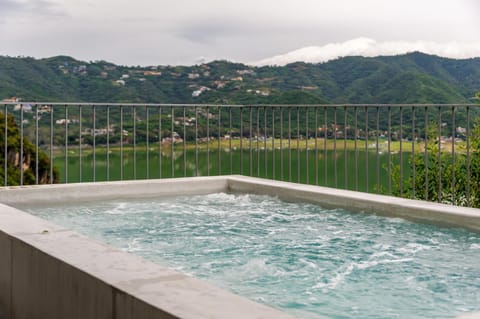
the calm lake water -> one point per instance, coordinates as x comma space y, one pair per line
330, 168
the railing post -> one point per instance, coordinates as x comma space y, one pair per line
172, 141
468, 181
453, 157
21, 144
366, 149
66, 145
94, 141
401, 152
5, 147
108, 142
37, 181
160, 141
147, 137
413, 154
316, 145
273, 144
345, 133
51, 145
439, 186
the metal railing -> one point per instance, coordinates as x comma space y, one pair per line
415, 151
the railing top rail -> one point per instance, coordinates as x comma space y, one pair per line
382, 105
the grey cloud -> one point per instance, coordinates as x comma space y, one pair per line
32, 7
210, 31
8, 6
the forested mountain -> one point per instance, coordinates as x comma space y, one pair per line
410, 78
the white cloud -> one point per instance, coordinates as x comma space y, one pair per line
371, 48
151, 32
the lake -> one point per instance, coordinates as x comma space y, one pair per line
327, 168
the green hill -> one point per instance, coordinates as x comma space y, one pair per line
410, 78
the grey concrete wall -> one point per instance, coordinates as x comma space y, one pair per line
5, 275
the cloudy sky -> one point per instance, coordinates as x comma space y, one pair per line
153, 32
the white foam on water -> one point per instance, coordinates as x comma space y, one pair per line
298, 257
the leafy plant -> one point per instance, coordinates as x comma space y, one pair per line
12, 156
443, 176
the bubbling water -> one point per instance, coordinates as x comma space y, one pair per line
298, 257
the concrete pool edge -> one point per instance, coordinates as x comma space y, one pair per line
98, 281
51, 272
389, 206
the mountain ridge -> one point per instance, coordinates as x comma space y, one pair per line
410, 78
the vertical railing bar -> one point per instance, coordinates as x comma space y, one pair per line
184, 142
289, 144
121, 142
413, 155
108, 142
265, 133
257, 138
51, 145
250, 139
298, 144
273, 144
468, 181
345, 133
147, 137
389, 151
241, 140
453, 157
21, 144
377, 156
230, 140
66, 143
427, 168
401, 151
219, 158
250, 149
316, 145
325, 154
281, 144
172, 137
439, 155
208, 140
355, 139
306, 145
79, 142
36, 145
335, 174
134, 110
366, 149
94, 141
5, 147
160, 142
196, 141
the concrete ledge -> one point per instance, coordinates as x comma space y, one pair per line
415, 210
48, 194
47, 271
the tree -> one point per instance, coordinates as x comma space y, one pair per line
442, 177
28, 161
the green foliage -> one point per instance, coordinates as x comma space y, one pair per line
411, 78
12, 156
441, 177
